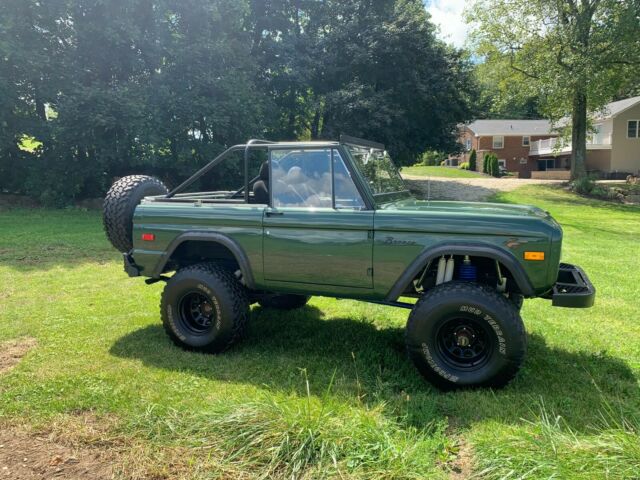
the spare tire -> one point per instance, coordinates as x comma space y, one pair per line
121, 201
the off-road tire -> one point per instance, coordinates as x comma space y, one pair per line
284, 301
475, 314
517, 299
225, 295
119, 204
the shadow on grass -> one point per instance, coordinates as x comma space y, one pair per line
370, 366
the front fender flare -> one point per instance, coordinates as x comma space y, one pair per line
478, 249
232, 245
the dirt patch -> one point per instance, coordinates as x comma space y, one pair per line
11, 352
462, 467
467, 189
24, 455
75, 446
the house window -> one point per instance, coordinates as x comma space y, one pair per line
526, 141
467, 144
498, 141
502, 163
633, 129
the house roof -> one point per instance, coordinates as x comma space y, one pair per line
614, 108
510, 127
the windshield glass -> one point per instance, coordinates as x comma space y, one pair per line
380, 173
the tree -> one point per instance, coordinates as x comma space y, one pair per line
472, 160
116, 87
367, 68
574, 55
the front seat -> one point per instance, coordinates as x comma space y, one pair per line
260, 189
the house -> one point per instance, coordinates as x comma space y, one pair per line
509, 140
613, 146
531, 148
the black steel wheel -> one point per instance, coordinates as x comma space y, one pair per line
196, 312
464, 342
463, 334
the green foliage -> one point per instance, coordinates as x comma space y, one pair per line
490, 165
473, 160
162, 86
584, 185
464, 166
431, 158
571, 58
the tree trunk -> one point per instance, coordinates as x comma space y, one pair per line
579, 135
315, 124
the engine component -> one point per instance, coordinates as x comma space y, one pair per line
468, 271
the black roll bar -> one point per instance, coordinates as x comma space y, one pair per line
253, 141
204, 170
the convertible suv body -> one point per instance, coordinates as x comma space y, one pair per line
335, 219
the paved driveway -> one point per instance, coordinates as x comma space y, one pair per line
467, 189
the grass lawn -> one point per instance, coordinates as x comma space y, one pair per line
325, 391
447, 172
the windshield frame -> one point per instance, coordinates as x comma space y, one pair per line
378, 199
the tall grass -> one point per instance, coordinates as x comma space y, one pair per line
314, 437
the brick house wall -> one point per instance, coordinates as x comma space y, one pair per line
515, 155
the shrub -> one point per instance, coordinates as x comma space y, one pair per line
432, 158
496, 167
464, 166
583, 185
472, 160
485, 162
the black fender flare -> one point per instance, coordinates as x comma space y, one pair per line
479, 249
212, 237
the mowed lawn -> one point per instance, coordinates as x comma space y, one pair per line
325, 391
446, 172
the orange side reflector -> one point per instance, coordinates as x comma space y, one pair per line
534, 256
148, 237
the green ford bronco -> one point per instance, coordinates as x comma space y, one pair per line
276, 222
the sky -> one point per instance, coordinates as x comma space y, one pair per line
447, 15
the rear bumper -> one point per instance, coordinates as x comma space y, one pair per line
573, 288
129, 266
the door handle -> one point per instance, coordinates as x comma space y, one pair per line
273, 213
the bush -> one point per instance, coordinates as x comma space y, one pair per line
485, 162
464, 166
472, 160
584, 185
432, 158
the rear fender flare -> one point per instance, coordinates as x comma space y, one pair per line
211, 237
462, 248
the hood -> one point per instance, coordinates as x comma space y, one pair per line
463, 208
467, 218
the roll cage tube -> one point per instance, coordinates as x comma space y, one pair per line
253, 143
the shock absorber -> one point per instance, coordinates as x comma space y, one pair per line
468, 271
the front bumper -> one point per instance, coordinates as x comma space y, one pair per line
573, 288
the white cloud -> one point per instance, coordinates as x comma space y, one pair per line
447, 15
